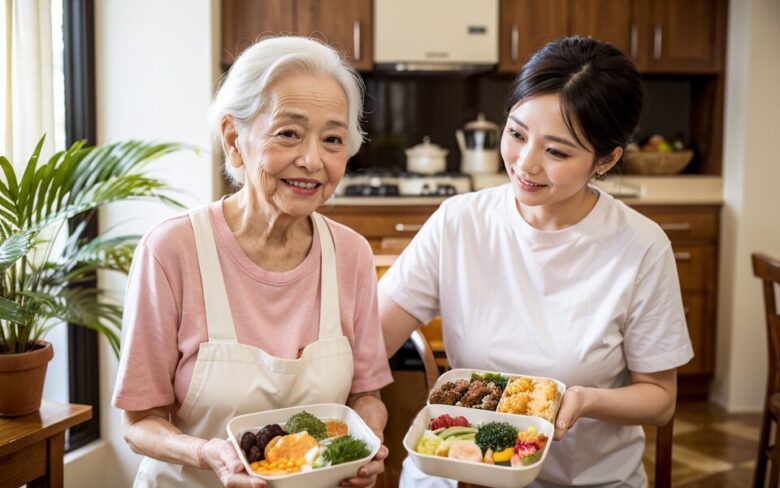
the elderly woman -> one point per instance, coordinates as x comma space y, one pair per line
255, 302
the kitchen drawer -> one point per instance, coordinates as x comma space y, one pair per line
698, 222
695, 266
382, 222
696, 307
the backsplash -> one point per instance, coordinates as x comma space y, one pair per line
400, 109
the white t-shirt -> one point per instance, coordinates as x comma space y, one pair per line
585, 305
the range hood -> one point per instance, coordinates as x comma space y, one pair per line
435, 35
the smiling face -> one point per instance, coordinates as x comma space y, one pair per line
295, 151
548, 169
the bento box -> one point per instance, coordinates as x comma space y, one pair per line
505, 393
303, 459
529, 444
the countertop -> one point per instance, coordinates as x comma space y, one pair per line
634, 190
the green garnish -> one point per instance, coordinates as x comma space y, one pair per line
528, 460
498, 379
345, 449
496, 436
304, 421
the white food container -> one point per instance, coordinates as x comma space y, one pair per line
330, 476
470, 472
465, 374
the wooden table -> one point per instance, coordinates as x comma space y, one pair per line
32, 446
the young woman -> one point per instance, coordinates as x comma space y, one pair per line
549, 276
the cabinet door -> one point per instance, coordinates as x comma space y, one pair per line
527, 25
346, 25
686, 36
245, 21
607, 20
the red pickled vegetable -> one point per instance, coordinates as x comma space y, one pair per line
445, 421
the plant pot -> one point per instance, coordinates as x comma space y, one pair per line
21, 380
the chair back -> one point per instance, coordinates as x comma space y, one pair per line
663, 444
767, 270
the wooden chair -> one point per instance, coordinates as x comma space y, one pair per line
663, 444
768, 270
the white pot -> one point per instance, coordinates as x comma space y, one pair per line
426, 158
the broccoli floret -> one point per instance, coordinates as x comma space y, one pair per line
304, 421
496, 436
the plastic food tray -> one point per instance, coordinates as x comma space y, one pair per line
463, 373
330, 476
470, 472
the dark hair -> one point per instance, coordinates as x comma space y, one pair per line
599, 88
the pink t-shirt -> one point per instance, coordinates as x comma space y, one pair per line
164, 320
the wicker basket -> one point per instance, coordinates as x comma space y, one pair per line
656, 163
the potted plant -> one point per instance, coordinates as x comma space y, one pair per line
45, 280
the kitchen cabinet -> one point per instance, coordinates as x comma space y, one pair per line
387, 228
527, 25
660, 36
683, 36
344, 24
692, 229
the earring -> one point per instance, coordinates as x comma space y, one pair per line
599, 175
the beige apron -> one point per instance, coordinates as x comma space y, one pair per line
231, 379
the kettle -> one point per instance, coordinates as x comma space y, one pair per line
478, 142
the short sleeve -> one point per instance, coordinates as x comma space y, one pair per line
149, 337
372, 370
413, 280
655, 335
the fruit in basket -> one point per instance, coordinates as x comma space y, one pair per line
496, 436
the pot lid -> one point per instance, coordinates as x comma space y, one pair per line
481, 124
427, 149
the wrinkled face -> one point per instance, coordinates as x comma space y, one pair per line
295, 151
545, 164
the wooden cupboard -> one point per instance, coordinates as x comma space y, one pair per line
660, 36
347, 25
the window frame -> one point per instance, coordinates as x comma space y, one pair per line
78, 18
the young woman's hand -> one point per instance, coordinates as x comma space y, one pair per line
368, 473
574, 404
220, 456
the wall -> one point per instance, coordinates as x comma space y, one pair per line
750, 176
155, 66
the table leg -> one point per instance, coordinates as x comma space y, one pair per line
55, 450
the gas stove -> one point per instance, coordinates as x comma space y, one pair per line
379, 182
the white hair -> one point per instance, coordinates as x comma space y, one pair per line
244, 90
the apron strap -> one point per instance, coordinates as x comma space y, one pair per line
219, 319
330, 316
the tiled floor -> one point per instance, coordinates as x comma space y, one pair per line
711, 448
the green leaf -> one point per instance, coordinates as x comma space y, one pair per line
14, 248
9, 310
10, 177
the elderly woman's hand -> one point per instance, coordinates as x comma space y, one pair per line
368, 473
221, 456
574, 404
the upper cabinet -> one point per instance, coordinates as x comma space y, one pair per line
660, 36
527, 25
621, 30
344, 24
684, 36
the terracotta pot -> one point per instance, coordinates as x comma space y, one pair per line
21, 380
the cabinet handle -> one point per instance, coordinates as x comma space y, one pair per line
682, 256
657, 42
515, 40
633, 41
407, 227
356, 39
676, 226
